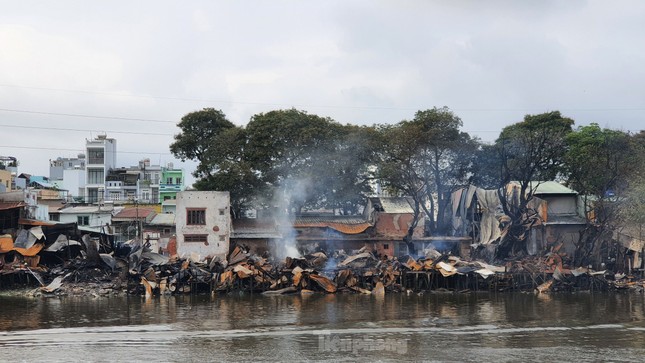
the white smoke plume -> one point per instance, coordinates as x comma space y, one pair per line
294, 190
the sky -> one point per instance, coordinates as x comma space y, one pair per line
70, 70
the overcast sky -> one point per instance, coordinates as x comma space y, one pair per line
72, 69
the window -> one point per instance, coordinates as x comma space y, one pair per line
386, 246
178, 180
95, 156
115, 195
54, 217
203, 238
195, 216
92, 195
83, 220
169, 180
221, 212
95, 176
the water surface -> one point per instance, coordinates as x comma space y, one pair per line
506, 327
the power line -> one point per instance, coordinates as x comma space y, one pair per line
84, 130
86, 116
608, 109
207, 100
81, 150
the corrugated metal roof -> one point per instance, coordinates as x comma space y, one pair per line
394, 205
254, 228
163, 219
130, 213
11, 205
88, 209
343, 224
551, 187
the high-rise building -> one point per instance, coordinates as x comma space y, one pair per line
100, 158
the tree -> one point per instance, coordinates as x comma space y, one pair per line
530, 150
350, 170
225, 167
425, 157
590, 149
198, 130
449, 153
598, 164
208, 137
487, 167
311, 161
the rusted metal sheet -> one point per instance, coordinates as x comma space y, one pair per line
324, 282
359, 256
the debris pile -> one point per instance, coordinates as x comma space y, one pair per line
92, 267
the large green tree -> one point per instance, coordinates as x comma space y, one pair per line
598, 164
303, 160
198, 130
310, 161
218, 146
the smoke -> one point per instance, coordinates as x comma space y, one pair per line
331, 264
294, 193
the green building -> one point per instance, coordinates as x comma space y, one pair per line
172, 182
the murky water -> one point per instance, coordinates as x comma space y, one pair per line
431, 327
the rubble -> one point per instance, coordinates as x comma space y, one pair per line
89, 268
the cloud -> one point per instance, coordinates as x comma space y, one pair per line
359, 62
28, 56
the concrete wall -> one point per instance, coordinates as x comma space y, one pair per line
96, 220
74, 182
396, 225
5, 180
217, 228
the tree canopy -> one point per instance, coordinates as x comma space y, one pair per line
282, 156
301, 161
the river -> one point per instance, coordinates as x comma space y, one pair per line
474, 327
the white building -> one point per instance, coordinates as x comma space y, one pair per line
89, 217
203, 223
74, 183
58, 166
101, 157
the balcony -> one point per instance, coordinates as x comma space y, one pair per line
169, 187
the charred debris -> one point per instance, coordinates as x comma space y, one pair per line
55, 263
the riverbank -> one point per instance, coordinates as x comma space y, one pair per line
141, 272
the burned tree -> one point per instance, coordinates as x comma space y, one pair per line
426, 158
529, 151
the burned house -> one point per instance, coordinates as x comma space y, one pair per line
129, 222
561, 221
317, 231
10, 214
258, 235
392, 218
203, 224
381, 228
159, 231
478, 214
